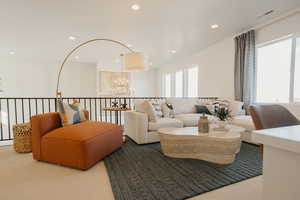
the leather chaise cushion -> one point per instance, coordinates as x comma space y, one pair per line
81, 145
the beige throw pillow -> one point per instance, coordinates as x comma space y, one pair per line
146, 107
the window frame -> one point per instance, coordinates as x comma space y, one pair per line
293, 39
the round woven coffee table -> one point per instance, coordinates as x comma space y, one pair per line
218, 146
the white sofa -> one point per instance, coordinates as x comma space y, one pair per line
138, 127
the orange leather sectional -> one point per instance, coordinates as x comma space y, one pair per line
79, 146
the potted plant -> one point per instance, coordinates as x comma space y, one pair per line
223, 115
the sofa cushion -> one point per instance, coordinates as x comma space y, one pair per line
244, 121
80, 145
165, 123
144, 106
182, 105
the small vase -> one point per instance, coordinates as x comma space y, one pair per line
203, 125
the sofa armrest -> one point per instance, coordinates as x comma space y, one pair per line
41, 125
136, 126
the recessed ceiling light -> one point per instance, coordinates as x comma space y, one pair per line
135, 7
150, 63
12, 53
214, 26
129, 45
72, 38
173, 51
76, 57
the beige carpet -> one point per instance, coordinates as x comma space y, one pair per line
26, 179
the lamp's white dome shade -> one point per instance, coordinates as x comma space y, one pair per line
135, 61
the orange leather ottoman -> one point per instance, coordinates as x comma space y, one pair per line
79, 146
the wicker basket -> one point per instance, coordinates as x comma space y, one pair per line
22, 137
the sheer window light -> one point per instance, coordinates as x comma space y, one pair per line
192, 82
273, 72
179, 84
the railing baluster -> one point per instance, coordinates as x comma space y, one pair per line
90, 111
95, 102
105, 112
110, 113
36, 107
22, 104
100, 109
129, 103
49, 106
29, 107
55, 104
43, 106
8, 118
16, 114
120, 113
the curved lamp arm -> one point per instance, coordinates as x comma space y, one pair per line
58, 94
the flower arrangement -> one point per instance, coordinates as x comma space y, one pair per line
222, 113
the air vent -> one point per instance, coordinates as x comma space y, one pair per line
266, 14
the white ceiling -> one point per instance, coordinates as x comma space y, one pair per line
39, 29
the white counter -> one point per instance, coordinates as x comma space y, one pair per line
286, 138
281, 162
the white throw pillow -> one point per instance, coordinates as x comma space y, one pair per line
236, 108
157, 106
167, 110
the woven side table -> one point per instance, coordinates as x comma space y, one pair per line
22, 137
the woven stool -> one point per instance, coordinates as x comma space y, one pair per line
22, 137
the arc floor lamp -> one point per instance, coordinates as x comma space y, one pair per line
133, 61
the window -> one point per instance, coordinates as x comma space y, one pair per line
297, 73
192, 82
179, 84
273, 72
182, 83
278, 69
168, 85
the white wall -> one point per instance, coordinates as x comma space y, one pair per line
37, 79
216, 63
284, 27
216, 69
145, 83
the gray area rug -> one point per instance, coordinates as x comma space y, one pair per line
143, 172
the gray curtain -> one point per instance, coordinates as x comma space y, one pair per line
245, 69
